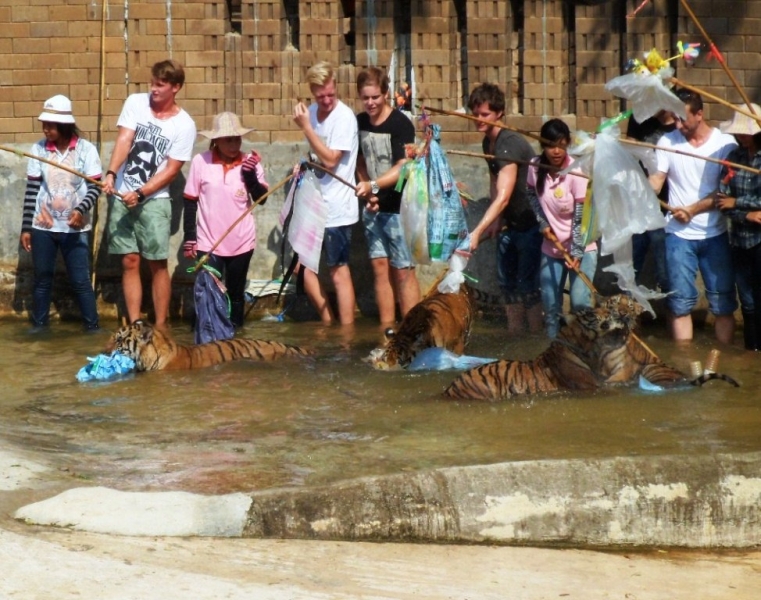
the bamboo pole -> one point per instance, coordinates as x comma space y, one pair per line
577, 269
99, 140
329, 172
97, 182
498, 124
718, 161
717, 54
710, 96
246, 213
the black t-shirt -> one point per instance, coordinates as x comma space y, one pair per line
382, 146
509, 147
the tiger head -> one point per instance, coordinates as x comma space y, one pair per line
609, 323
141, 342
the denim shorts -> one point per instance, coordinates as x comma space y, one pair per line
144, 229
519, 254
714, 259
385, 239
337, 244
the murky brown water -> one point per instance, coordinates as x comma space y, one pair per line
249, 426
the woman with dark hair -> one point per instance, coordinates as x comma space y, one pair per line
558, 201
56, 211
740, 197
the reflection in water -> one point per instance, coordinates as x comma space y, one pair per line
249, 426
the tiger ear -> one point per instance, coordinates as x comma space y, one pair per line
145, 331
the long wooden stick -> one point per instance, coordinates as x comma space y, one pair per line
517, 161
97, 182
329, 172
710, 96
246, 213
569, 260
101, 98
717, 55
497, 124
718, 161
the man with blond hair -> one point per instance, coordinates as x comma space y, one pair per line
330, 128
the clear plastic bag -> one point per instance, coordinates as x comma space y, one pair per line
307, 223
625, 202
647, 93
414, 210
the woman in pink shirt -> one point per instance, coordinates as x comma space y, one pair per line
222, 184
558, 201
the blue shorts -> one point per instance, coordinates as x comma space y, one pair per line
714, 259
337, 244
385, 239
519, 254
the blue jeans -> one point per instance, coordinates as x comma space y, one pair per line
552, 278
385, 239
714, 259
337, 245
654, 241
76, 255
518, 257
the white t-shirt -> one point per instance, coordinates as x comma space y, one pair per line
339, 132
691, 179
156, 140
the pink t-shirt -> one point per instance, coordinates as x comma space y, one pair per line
558, 200
222, 198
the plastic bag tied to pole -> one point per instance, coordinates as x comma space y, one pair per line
624, 203
307, 222
414, 209
646, 90
447, 226
455, 276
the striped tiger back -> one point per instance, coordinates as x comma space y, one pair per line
593, 348
153, 350
440, 320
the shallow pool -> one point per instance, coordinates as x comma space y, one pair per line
249, 426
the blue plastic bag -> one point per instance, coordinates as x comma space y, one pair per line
105, 366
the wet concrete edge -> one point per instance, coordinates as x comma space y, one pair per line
708, 501
677, 501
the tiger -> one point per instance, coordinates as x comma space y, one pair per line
153, 350
440, 320
595, 347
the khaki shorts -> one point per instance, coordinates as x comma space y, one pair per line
144, 229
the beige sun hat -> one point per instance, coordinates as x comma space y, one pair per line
742, 124
57, 110
226, 124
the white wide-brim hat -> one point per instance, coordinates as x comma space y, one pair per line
741, 124
225, 124
57, 110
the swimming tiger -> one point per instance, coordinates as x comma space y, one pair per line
153, 350
595, 347
440, 320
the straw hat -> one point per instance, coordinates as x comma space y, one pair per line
226, 124
742, 124
57, 110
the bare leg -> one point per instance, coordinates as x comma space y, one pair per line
341, 276
384, 290
317, 296
681, 328
407, 288
131, 285
724, 328
161, 289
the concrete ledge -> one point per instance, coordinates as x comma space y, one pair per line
684, 501
668, 501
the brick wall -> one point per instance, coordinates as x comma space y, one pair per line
552, 57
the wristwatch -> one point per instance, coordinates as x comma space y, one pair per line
374, 189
